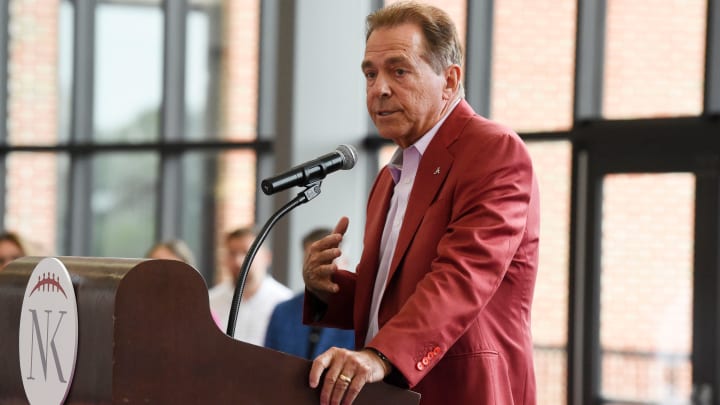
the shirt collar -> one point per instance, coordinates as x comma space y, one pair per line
395, 164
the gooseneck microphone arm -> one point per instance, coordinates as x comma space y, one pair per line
312, 191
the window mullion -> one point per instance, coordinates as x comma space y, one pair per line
169, 207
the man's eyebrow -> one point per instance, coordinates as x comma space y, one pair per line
393, 60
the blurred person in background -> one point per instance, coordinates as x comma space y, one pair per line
286, 331
261, 292
11, 248
174, 249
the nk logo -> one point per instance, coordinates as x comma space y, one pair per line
48, 334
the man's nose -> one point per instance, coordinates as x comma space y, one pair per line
381, 87
237, 257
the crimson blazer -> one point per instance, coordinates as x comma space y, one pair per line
455, 316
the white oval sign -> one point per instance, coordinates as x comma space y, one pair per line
48, 334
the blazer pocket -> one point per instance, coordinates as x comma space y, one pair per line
489, 371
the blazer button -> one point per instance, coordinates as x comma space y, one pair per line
425, 361
437, 350
430, 355
420, 366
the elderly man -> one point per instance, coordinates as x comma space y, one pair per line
440, 301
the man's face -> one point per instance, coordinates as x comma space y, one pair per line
8, 252
237, 248
405, 97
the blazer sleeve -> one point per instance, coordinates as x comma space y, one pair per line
338, 312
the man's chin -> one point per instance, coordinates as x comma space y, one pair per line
389, 133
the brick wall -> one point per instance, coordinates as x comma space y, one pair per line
647, 272
240, 47
454, 8
31, 180
533, 64
654, 60
236, 188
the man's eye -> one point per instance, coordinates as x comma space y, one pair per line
369, 75
400, 72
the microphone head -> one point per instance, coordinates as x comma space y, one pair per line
349, 156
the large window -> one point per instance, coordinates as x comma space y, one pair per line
128, 94
654, 59
125, 122
532, 64
35, 116
123, 204
650, 270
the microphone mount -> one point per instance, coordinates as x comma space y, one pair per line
311, 191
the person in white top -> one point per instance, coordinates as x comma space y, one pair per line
260, 294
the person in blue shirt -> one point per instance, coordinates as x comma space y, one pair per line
286, 331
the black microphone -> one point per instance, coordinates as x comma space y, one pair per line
343, 158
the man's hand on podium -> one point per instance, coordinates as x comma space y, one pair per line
347, 372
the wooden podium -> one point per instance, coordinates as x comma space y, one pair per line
146, 337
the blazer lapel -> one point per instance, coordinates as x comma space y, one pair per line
378, 207
431, 174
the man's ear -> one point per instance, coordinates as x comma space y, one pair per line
453, 76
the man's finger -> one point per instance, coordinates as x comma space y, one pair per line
325, 286
341, 387
333, 382
342, 226
325, 257
318, 366
329, 242
353, 390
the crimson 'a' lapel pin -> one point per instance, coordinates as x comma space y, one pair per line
437, 170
